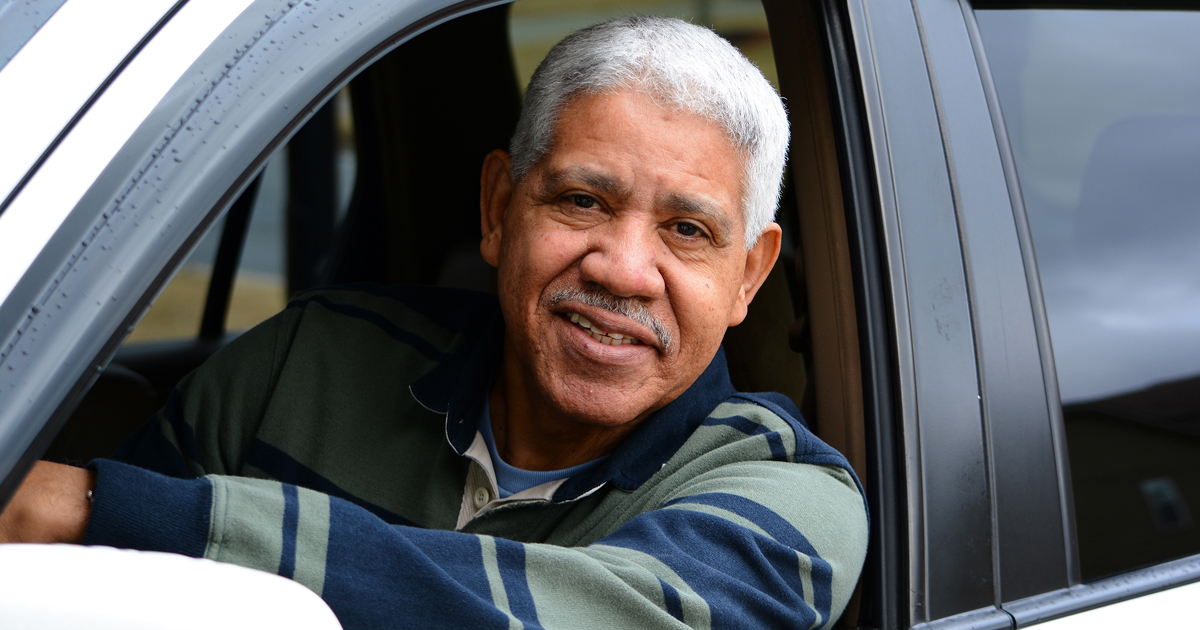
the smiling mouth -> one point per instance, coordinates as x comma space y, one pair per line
608, 339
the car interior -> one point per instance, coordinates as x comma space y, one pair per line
414, 128
413, 219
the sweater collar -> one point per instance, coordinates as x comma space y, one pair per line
459, 385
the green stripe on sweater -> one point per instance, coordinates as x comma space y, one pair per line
312, 540
576, 588
492, 568
247, 522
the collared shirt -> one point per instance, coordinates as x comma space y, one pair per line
492, 482
298, 450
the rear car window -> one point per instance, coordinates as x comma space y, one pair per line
1102, 110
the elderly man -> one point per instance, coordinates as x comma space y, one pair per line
569, 455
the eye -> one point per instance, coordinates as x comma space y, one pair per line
583, 201
688, 229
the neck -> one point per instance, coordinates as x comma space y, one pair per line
532, 435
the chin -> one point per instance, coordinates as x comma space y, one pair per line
593, 403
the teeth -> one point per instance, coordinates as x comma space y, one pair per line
581, 320
608, 339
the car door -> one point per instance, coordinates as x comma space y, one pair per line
1030, 167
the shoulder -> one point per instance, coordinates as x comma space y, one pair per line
767, 420
760, 441
445, 307
754, 462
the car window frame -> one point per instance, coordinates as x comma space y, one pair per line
69, 336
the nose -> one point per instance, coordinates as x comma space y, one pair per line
624, 258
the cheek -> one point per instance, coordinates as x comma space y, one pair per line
554, 250
703, 303
533, 261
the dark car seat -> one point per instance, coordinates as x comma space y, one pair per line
425, 116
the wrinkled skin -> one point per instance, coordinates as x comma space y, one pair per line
632, 201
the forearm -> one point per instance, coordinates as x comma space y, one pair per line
690, 562
50, 506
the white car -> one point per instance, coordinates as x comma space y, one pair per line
988, 297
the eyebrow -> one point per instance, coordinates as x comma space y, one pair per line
701, 207
598, 181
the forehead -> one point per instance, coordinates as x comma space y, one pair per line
629, 140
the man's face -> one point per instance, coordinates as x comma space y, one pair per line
621, 257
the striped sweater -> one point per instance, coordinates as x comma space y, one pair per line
332, 445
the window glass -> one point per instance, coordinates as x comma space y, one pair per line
346, 161
1102, 110
259, 285
176, 312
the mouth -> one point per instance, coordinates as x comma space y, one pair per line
606, 338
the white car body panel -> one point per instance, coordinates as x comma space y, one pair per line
64, 587
33, 217
1172, 608
48, 80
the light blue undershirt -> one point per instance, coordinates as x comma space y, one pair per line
510, 479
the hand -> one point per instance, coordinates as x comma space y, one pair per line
50, 506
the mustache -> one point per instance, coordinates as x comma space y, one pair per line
629, 307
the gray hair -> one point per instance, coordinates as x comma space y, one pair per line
681, 63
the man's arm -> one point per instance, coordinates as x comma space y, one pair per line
51, 505
757, 544
729, 550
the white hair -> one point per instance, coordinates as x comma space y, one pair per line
680, 63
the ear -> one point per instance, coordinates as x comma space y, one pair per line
759, 262
495, 192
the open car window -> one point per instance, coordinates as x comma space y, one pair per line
315, 144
